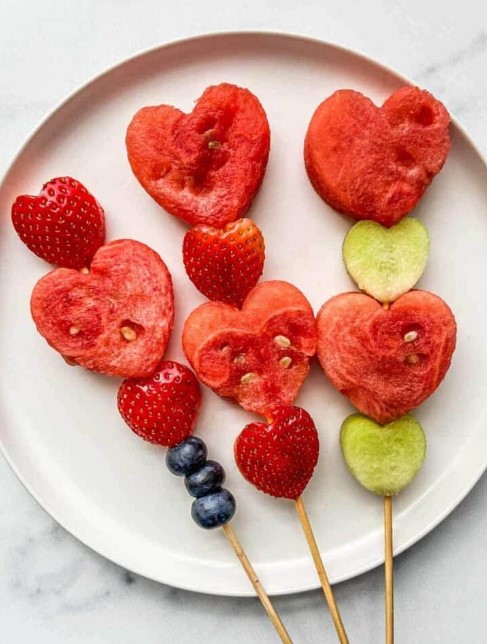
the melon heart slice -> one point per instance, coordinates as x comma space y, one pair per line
387, 362
376, 162
204, 167
115, 318
386, 262
259, 355
384, 459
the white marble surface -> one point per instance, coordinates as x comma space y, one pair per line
53, 589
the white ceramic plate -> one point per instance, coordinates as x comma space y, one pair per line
60, 429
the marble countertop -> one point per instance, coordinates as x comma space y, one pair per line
55, 590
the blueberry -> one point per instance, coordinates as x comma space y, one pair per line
208, 478
213, 510
186, 457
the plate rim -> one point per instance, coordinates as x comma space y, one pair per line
52, 113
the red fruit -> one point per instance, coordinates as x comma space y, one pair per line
386, 362
64, 224
224, 264
279, 458
375, 163
204, 167
258, 356
116, 318
163, 408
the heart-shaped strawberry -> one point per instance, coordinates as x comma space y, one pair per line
258, 356
224, 264
384, 459
386, 362
115, 318
386, 262
375, 163
64, 224
204, 167
279, 458
162, 408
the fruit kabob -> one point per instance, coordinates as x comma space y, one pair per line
253, 342
163, 409
387, 349
259, 357
110, 308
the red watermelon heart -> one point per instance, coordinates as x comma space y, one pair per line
387, 362
375, 163
279, 458
258, 356
204, 167
115, 318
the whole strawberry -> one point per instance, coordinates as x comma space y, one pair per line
224, 264
279, 458
161, 409
64, 224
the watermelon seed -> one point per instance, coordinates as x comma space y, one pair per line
246, 378
282, 341
285, 362
240, 359
411, 336
84, 270
412, 358
74, 330
128, 333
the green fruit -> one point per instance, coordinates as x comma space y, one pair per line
386, 262
383, 458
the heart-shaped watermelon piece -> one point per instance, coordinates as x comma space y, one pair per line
116, 317
375, 163
279, 458
259, 355
387, 362
383, 458
204, 167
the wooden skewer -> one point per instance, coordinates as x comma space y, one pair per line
325, 584
258, 587
389, 570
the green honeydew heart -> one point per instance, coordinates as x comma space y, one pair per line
386, 262
383, 458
